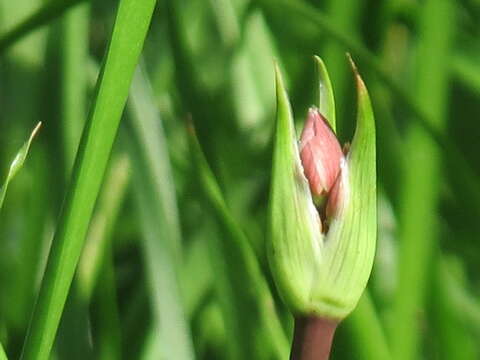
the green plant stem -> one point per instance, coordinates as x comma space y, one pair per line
101, 229
131, 25
154, 192
420, 195
74, 44
43, 16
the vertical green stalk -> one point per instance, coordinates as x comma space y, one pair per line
419, 202
131, 25
155, 198
451, 332
74, 79
102, 226
367, 332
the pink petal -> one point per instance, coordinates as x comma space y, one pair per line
320, 153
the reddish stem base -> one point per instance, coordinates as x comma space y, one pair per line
312, 339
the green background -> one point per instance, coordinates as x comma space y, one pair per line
174, 262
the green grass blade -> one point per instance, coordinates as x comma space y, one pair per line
241, 287
131, 25
3, 355
467, 70
367, 332
343, 15
155, 198
17, 164
108, 337
419, 224
103, 224
74, 45
149, 134
44, 15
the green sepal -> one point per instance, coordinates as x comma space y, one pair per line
17, 163
295, 239
326, 100
350, 242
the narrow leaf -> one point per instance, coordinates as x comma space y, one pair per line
129, 31
17, 163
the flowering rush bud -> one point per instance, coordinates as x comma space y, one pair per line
322, 208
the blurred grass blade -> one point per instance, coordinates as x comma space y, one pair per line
131, 25
17, 163
3, 355
74, 45
101, 229
148, 132
108, 339
343, 15
468, 70
155, 198
418, 208
47, 13
241, 287
367, 332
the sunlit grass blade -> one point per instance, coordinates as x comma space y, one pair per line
102, 226
130, 28
17, 164
155, 199
468, 70
3, 355
241, 287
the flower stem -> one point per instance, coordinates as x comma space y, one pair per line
312, 339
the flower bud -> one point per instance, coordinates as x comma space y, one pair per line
320, 153
322, 270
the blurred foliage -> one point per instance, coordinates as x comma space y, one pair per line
165, 206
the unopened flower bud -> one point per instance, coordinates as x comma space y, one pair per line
320, 153
322, 270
